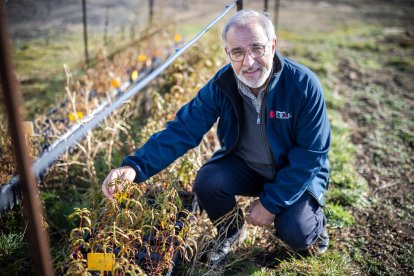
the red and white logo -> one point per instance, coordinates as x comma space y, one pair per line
280, 114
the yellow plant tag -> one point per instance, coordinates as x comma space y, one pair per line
115, 83
134, 75
72, 116
178, 38
101, 261
142, 58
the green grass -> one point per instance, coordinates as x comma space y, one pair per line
333, 263
39, 63
10, 244
328, 55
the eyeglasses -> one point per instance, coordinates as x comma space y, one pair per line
255, 51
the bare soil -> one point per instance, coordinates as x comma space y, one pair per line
384, 232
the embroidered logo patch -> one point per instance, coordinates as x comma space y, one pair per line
280, 114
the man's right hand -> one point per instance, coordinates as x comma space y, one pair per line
126, 173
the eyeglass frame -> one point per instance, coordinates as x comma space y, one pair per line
248, 50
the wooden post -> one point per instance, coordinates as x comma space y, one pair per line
276, 14
85, 31
239, 5
38, 239
151, 11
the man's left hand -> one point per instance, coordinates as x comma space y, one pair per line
259, 215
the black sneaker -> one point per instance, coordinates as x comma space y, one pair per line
230, 231
323, 241
320, 246
223, 247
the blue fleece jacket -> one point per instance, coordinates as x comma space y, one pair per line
297, 127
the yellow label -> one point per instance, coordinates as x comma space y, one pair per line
178, 38
134, 75
72, 116
101, 261
115, 83
142, 58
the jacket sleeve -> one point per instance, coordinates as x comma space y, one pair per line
192, 121
307, 156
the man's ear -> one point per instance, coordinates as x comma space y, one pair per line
274, 44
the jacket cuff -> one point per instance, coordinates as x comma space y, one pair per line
266, 202
138, 172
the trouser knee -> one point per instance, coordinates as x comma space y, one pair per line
300, 224
296, 239
206, 185
213, 192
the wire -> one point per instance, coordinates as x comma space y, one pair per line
79, 130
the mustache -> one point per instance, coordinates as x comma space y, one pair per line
254, 67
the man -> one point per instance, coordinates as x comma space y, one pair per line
275, 137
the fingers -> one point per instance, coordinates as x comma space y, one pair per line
106, 189
126, 173
250, 212
258, 215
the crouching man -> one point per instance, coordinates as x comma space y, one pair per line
274, 134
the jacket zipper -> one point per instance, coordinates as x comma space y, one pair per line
267, 136
263, 129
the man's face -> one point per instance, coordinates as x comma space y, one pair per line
251, 71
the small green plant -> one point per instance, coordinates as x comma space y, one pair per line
9, 244
144, 228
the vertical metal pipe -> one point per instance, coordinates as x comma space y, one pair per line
266, 6
85, 31
276, 14
239, 5
38, 239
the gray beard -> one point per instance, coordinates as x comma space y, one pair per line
258, 83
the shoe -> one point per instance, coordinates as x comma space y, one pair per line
223, 247
323, 241
320, 246
230, 231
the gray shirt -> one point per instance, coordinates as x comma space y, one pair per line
253, 146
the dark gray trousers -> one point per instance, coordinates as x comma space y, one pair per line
217, 183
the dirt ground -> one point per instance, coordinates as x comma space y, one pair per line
385, 231
382, 231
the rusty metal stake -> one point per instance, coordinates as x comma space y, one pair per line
38, 239
239, 5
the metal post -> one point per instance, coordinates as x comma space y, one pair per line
239, 5
276, 14
151, 11
85, 31
266, 6
38, 239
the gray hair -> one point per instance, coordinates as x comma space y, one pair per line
244, 17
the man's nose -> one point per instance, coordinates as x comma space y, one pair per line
248, 60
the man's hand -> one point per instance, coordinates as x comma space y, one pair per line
259, 215
126, 173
